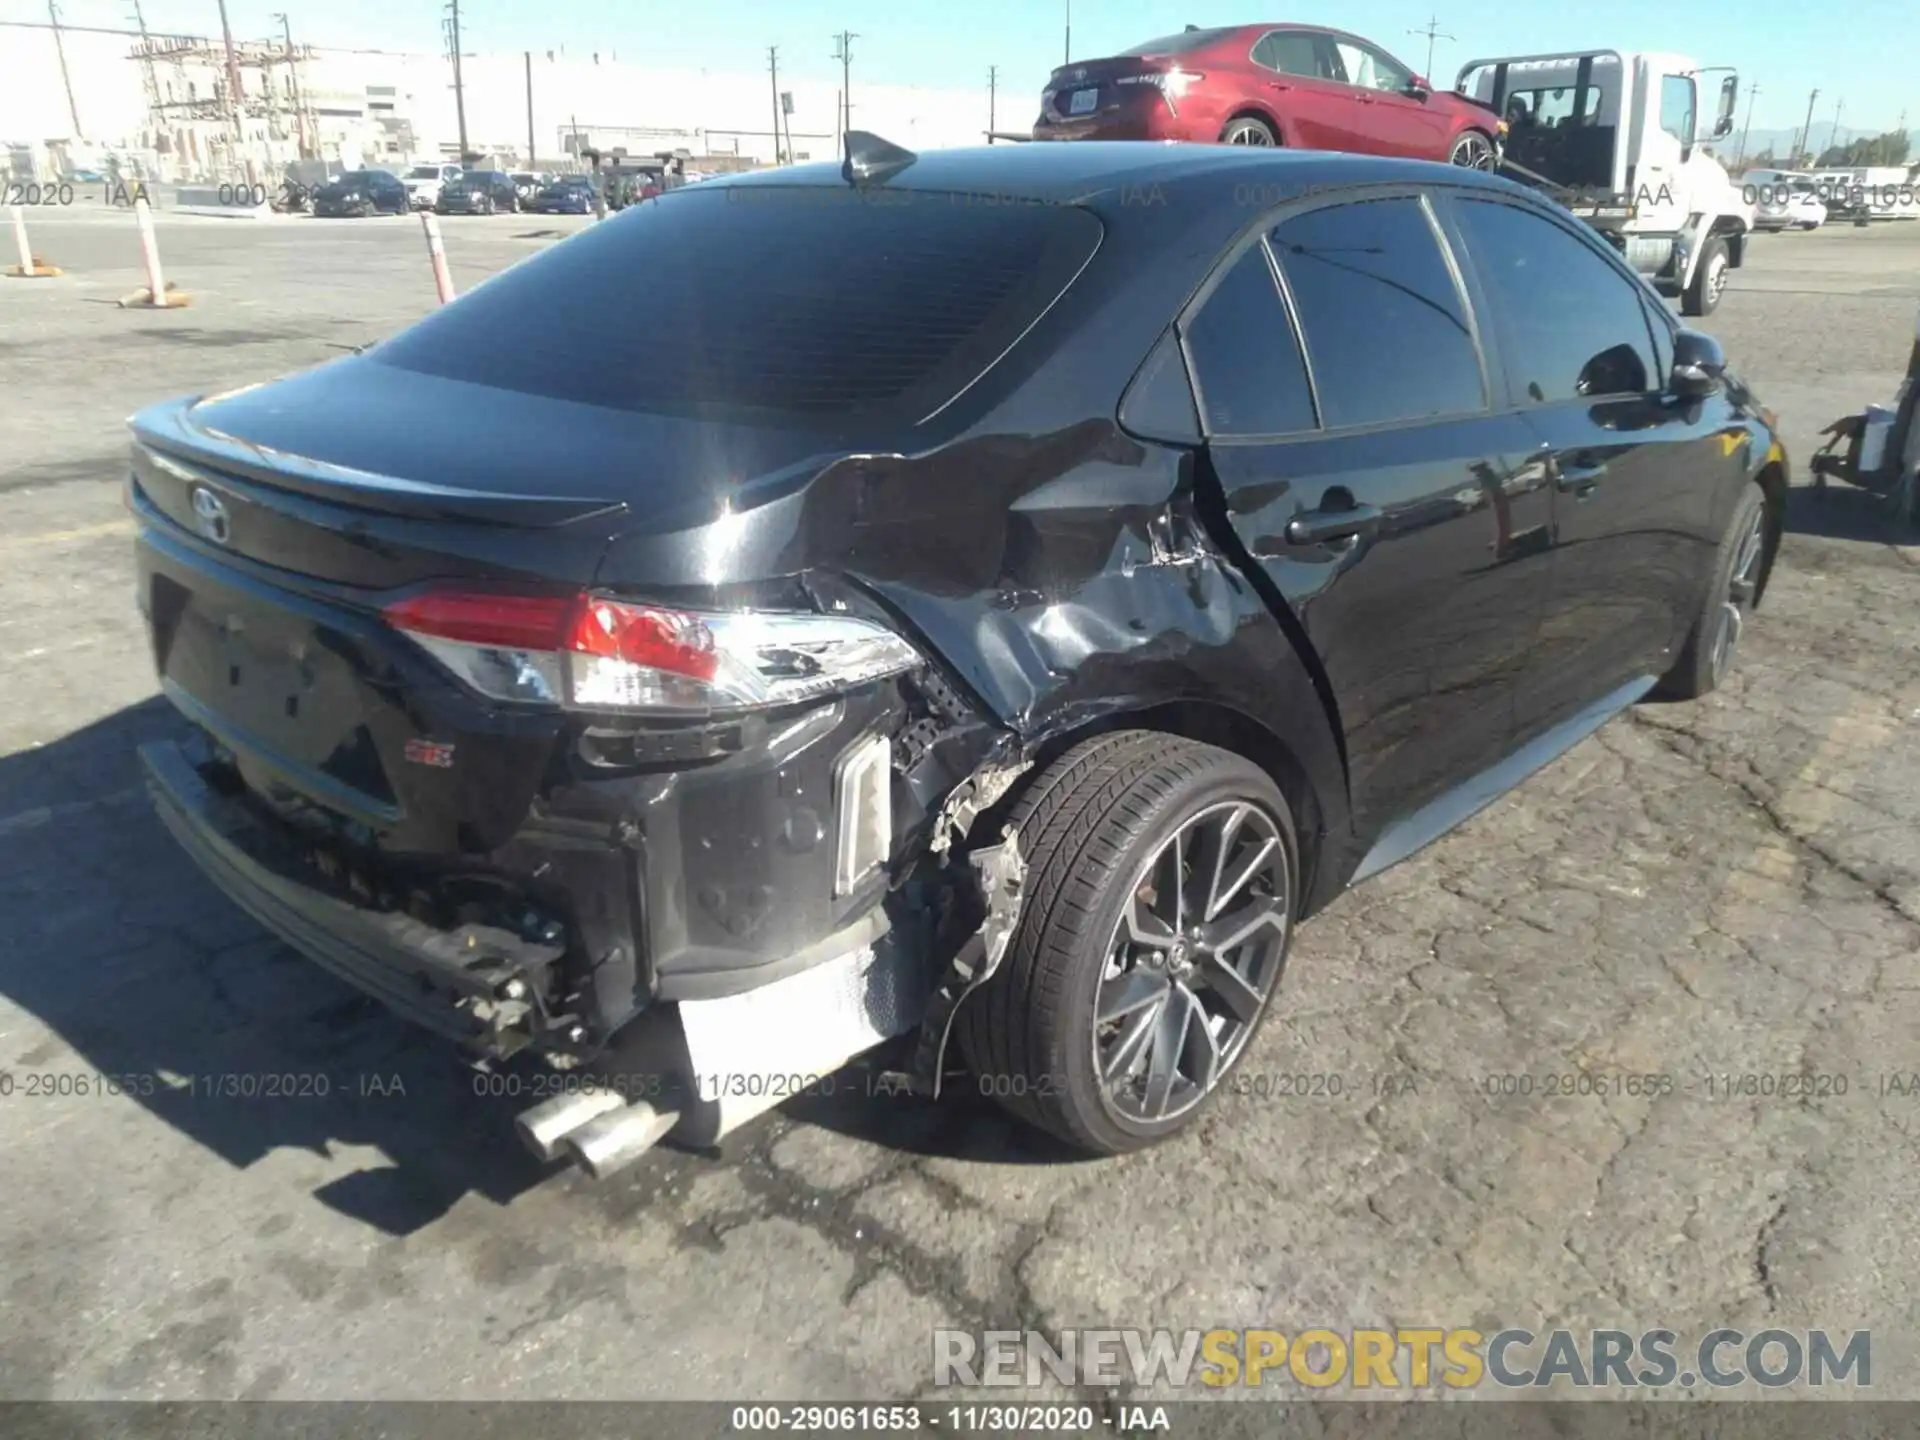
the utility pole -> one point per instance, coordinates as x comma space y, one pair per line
1433, 32
532, 163
843, 52
293, 75
1833, 135
60, 49
234, 91
773, 71
459, 90
1747, 129
1806, 132
993, 86
1066, 56
146, 65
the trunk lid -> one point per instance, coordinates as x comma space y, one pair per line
276, 521
1088, 86
373, 477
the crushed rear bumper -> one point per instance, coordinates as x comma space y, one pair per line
455, 982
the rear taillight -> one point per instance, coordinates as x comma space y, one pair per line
1171, 83
594, 653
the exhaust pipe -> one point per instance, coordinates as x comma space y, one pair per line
546, 1126
613, 1141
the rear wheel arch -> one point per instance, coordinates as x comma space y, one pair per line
1263, 115
1207, 722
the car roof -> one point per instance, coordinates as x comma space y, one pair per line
1091, 171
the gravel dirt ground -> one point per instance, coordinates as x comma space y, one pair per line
1721, 890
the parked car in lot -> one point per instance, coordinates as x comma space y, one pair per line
1783, 200
1295, 85
1097, 593
361, 192
424, 183
478, 192
568, 195
527, 184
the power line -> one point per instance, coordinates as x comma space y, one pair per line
235, 91
1433, 32
1747, 129
1805, 137
773, 71
293, 80
60, 48
459, 90
843, 52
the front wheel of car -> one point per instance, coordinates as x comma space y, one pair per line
1248, 130
1739, 572
1159, 903
1473, 151
1709, 283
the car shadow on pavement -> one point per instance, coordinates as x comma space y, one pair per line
171, 997
1841, 512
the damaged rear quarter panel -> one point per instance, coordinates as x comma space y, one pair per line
1068, 583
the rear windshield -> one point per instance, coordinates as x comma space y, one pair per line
791, 305
424, 172
1178, 44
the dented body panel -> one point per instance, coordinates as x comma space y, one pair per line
1060, 572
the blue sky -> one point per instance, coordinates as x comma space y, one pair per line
1863, 51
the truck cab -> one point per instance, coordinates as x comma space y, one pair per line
1620, 137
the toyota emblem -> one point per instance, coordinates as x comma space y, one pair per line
210, 515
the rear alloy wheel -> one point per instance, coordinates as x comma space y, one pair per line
1707, 656
1248, 130
1153, 935
1473, 151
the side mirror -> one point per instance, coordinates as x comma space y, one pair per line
1729, 97
1699, 365
1418, 88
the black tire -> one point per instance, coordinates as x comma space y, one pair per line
1248, 130
1474, 150
1739, 572
1089, 827
1709, 281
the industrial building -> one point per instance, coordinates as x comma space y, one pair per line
164, 107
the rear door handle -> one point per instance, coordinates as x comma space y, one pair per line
1278, 85
1578, 479
1320, 527
1364, 99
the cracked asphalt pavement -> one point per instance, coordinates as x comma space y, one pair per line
1704, 893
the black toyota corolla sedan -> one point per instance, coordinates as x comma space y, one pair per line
968, 608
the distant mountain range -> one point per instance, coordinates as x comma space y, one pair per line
1781, 141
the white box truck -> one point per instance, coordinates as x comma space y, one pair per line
1620, 137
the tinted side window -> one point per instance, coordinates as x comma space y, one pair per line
1385, 325
1245, 359
1576, 324
1292, 52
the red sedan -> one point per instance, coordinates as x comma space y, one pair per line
1295, 85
